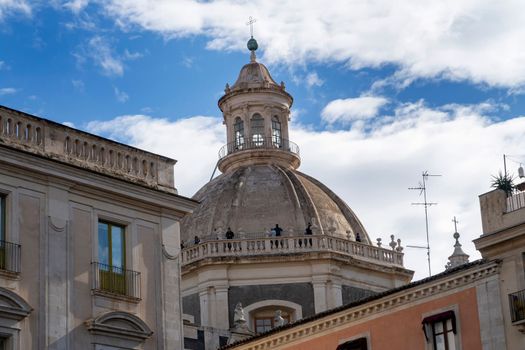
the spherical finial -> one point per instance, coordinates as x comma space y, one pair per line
456, 235
252, 44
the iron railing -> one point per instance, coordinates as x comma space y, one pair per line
116, 280
10, 257
516, 201
517, 306
259, 143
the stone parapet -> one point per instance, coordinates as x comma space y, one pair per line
290, 245
58, 142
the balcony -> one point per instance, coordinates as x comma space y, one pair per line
261, 143
261, 245
9, 258
260, 150
116, 282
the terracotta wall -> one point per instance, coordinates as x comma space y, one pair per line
403, 330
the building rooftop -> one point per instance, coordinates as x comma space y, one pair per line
48, 139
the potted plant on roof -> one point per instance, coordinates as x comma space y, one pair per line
504, 182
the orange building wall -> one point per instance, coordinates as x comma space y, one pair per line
402, 329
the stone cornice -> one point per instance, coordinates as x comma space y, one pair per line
332, 319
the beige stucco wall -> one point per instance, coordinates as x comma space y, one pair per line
52, 212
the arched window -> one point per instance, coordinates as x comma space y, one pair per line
257, 130
277, 139
238, 133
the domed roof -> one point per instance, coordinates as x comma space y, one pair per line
254, 75
252, 199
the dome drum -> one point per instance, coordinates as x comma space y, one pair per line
260, 151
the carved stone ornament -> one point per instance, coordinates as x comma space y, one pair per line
119, 324
13, 306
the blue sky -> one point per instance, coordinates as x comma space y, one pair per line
382, 91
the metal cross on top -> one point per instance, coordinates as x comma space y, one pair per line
455, 221
250, 23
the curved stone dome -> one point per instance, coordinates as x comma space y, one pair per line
252, 199
254, 75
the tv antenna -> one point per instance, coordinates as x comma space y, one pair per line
422, 188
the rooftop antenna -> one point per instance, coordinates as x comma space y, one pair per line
250, 23
422, 188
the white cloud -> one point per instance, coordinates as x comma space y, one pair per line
371, 171
8, 91
130, 56
78, 84
352, 109
69, 124
100, 51
121, 96
312, 79
470, 39
76, 5
187, 140
8, 7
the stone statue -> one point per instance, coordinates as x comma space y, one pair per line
239, 321
278, 320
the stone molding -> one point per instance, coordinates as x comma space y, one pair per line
119, 324
13, 306
336, 319
43, 137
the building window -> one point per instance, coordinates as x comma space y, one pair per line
356, 344
264, 320
440, 331
238, 131
3, 214
276, 132
112, 257
257, 126
3, 250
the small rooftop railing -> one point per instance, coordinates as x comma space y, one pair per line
56, 141
10, 257
515, 201
260, 246
517, 306
268, 143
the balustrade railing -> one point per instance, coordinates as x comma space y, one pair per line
516, 201
288, 245
517, 306
10, 257
273, 143
60, 142
115, 280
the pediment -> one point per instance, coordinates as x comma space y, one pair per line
13, 306
119, 324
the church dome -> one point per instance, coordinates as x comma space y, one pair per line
252, 199
254, 75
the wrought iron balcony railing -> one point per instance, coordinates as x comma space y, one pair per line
115, 280
10, 257
273, 143
517, 306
